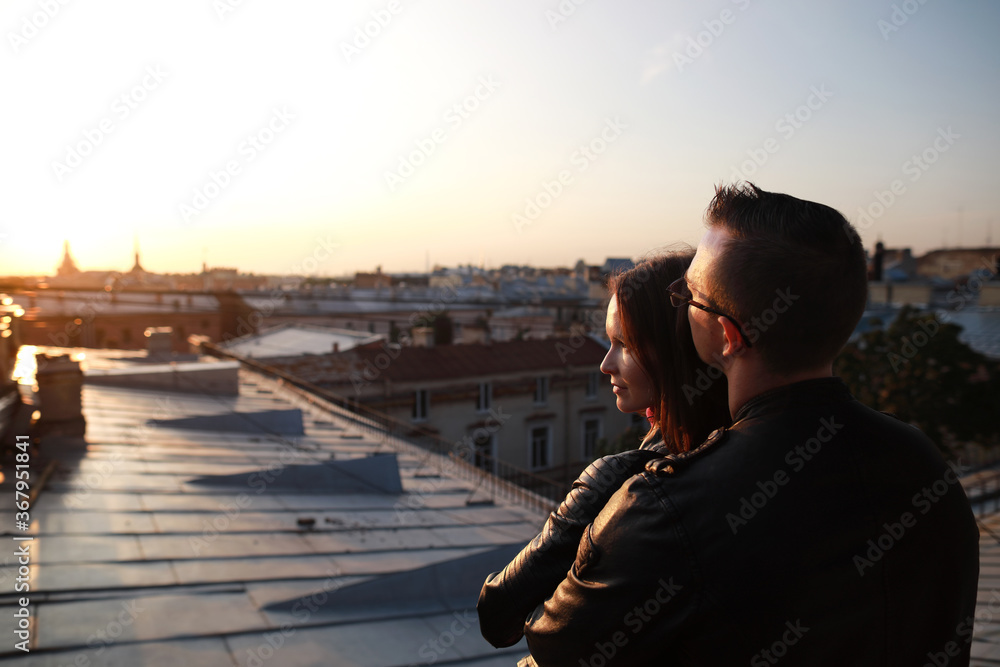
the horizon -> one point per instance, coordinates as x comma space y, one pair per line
374, 269
404, 134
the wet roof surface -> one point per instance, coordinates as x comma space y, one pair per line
169, 540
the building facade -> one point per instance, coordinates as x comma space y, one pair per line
538, 405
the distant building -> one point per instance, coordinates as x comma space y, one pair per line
613, 265
892, 264
957, 262
69, 275
68, 266
113, 318
377, 280
219, 278
535, 404
292, 340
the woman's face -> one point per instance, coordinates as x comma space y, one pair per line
631, 384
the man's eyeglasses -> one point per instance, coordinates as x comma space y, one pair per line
680, 295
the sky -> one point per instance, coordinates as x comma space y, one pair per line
332, 137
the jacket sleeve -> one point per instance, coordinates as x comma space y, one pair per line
632, 589
509, 596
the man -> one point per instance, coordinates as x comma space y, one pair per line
814, 530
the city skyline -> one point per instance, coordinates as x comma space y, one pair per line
125, 267
411, 134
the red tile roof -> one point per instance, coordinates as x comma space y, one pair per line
414, 364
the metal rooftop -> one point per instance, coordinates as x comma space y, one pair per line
170, 537
290, 340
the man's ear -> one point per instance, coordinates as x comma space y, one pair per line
735, 344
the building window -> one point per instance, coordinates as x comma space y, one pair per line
591, 434
541, 391
421, 405
593, 382
485, 398
539, 447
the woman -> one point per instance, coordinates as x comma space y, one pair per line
653, 364
655, 371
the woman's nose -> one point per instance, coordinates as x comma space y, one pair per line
607, 365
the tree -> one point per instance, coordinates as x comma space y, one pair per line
919, 371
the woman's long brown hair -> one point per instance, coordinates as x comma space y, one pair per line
692, 397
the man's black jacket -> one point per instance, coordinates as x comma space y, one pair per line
813, 531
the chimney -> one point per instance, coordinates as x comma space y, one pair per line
474, 333
160, 341
877, 262
423, 337
60, 382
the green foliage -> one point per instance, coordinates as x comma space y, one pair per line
918, 370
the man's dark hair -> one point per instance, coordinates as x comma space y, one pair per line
793, 255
